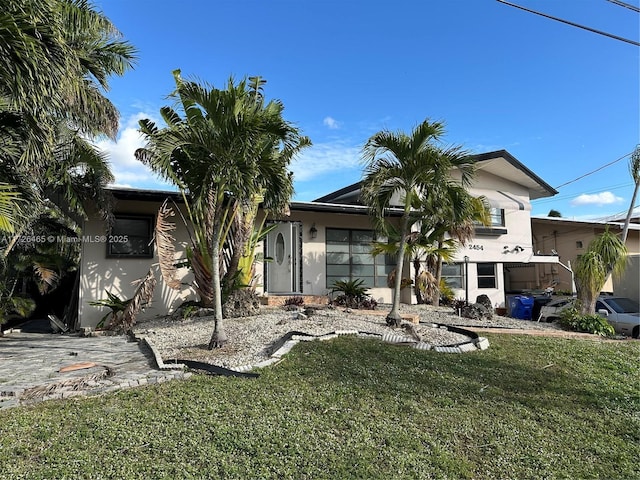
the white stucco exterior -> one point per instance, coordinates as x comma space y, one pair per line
505, 183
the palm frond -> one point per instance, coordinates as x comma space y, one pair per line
141, 297
165, 242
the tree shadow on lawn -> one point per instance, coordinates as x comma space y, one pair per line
534, 372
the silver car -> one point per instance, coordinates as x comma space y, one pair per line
622, 313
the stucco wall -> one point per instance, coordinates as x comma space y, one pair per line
100, 273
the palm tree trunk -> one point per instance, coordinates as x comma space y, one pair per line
393, 318
218, 338
627, 220
417, 287
438, 274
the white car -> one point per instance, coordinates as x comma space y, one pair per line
551, 311
622, 313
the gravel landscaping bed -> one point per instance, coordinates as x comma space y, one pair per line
251, 337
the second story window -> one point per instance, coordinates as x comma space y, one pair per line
497, 217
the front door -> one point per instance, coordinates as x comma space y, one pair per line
283, 250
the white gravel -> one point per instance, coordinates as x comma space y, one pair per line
251, 337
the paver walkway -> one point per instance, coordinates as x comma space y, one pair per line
30, 365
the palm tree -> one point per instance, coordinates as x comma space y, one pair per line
59, 56
215, 151
634, 169
452, 212
408, 167
605, 255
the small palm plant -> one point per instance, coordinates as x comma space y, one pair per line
353, 294
116, 307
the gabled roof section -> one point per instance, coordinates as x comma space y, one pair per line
499, 163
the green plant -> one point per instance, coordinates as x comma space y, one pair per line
591, 323
446, 293
353, 295
115, 304
19, 306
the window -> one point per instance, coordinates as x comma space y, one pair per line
452, 274
349, 258
486, 275
130, 237
497, 217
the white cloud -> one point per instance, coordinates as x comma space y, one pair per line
323, 158
599, 199
330, 122
126, 169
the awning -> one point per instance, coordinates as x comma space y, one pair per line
506, 201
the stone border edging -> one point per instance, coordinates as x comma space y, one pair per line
284, 344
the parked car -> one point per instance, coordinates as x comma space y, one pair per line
551, 311
622, 313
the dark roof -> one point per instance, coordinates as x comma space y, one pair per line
126, 193
525, 176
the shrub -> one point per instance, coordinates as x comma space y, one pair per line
354, 295
296, 301
574, 320
446, 293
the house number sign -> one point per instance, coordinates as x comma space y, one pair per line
475, 246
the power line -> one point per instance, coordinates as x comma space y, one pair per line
594, 171
599, 32
567, 196
625, 5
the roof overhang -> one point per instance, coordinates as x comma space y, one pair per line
504, 165
499, 163
583, 223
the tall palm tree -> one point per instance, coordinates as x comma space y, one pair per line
605, 255
408, 167
213, 149
451, 212
57, 58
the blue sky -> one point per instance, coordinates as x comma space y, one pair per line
562, 100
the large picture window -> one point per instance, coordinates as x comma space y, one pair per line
486, 275
349, 258
130, 236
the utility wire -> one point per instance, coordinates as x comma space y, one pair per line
594, 171
599, 32
625, 5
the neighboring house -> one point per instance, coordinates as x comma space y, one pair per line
568, 239
327, 240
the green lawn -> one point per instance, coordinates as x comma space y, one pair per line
528, 407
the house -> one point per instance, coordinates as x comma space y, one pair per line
568, 239
325, 240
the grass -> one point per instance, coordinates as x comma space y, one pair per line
528, 407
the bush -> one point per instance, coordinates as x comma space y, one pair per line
293, 302
354, 295
446, 293
574, 320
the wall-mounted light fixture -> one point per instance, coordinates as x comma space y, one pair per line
518, 249
313, 231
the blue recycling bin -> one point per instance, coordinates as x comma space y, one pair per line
521, 307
